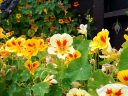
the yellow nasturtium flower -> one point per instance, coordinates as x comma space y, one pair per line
31, 66
30, 48
123, 76
61, 21
18, 17
15, 45
1, 1
33, 46
101, 41
11, 45
126, 37
1, 33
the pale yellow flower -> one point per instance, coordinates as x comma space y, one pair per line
61, 45
89, 18
126, 29
83, 29
50, 79
113, 90
113, 54
77, 92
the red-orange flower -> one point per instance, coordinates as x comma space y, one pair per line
31, 66
76, 4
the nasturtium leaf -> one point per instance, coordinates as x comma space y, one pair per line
55, 90
123, 63
40, 89
97, 80
79, 69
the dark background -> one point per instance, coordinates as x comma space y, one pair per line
105, 14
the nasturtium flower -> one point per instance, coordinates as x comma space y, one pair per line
1, 33
89, 18
31, 66
83, 29
18, 16
61, 21
50, 79
20, 45
11, 45
15, 45
73, 56
76, 4
126, 29
113, 90
3, 52
31, 48
112, 54
61, 45
123, 76
126, 37
77, 92
1, 1
101, 41
45, 11
41, 44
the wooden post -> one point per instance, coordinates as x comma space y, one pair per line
98, 14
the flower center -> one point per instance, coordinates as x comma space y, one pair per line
125, 78
111, 92
61, 45
103, 39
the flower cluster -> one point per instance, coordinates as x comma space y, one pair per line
26, 48
72, 65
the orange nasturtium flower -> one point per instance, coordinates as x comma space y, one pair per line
61, 21
30, 48
73, 56
41, 45
33, 46
15, 45
3, 52
31, 66
101, 41
61, 45
11, 45
123, 76
76, 4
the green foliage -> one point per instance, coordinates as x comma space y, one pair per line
40, 17
79, 69
97, 80
40, 89
123, 63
